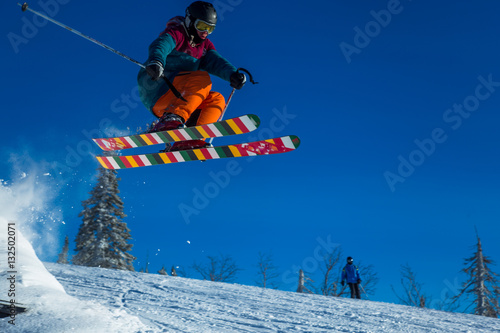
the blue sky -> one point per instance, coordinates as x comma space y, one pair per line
395, 102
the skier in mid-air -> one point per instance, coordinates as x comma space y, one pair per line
351, 274
185, 56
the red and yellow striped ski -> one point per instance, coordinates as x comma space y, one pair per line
263, 147
239, 125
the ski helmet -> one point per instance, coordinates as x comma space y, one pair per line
201, 10
196, 12
350, 260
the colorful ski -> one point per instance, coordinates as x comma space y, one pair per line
239, 125
264, 147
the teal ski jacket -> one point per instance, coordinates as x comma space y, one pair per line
176, 52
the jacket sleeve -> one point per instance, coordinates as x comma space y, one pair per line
357, 274
217, 65
344, 275
161, 48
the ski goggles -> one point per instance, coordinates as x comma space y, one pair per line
203, 26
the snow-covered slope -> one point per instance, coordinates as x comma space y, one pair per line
104, 300
50, 308
173, 304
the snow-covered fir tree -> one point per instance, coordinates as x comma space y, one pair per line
102, 240
482, 285
63, 256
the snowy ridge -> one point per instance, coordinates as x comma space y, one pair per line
69, 298
174, 304
50, 308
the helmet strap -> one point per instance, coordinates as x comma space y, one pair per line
191, 31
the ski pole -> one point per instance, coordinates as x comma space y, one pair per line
25, 7
228, 100
342, 290
364, 291
223, 112
231, 96
250, 77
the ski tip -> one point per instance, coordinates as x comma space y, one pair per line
295, 140
255, 119
110, 144
99, 143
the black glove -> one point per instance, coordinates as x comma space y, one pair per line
237, 80
154, 69
359, 281
342, 283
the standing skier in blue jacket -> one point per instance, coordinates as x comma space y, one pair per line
351, 274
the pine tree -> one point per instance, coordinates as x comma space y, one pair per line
63, 256
102, 240
481, 284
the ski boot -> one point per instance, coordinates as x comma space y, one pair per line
188, 145
185, 145
168, 121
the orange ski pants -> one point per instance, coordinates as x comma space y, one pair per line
195, 88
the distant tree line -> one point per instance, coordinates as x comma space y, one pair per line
480, 292
103, 240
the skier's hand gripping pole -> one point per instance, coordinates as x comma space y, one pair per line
231, 96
